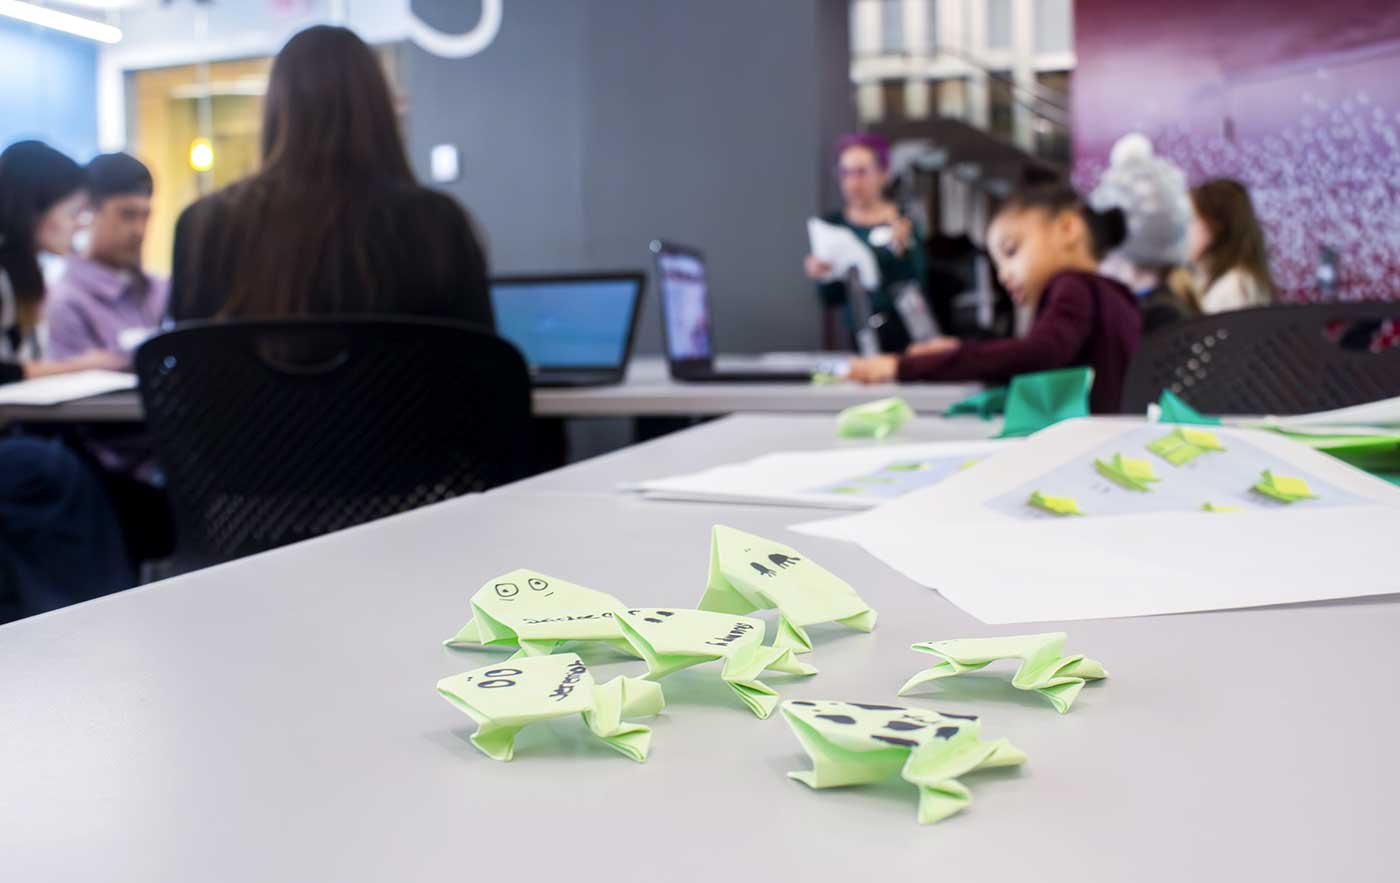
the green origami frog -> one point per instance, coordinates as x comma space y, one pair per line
506, 696
672, 639
1043, 668
536, 613
852, 743
749, 573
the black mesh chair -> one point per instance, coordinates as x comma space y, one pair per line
1272, 360
276, 431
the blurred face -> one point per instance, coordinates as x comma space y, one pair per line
119, 229
1198, 237
1030, 245
58, 225
862, 179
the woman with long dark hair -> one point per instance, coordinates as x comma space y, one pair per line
1226, 245
333, 222
42, 196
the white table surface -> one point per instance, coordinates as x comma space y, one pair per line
275, 719
648, 391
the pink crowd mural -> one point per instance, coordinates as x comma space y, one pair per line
1298, 100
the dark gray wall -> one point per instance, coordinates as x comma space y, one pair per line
592, 126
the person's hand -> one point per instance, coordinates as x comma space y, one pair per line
89, 361
934, 346
875, 369
902, 229
816, 268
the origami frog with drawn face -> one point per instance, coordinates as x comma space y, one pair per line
852, 743
536, 613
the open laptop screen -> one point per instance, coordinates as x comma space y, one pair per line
686, 305
567, 322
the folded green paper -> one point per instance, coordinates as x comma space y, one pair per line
1035, 401
505, 697
1175, 410
749, 573
1054, 505
1284, 488
535, 613
874, 419
853, 743
1182, 445
1043, 668
670, 639
986, 404
1128, 472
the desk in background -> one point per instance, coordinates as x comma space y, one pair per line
648, 392
275, 718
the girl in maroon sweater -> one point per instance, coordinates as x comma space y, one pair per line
1046, 244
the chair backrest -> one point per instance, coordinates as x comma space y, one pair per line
1272, 360
271, 432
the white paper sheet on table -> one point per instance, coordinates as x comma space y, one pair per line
1006, 568
59, 388
808, 478
1343, 421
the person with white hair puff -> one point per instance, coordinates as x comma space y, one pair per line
1152, 193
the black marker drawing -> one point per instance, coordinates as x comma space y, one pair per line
945, 732
762, 571
895, 740
783, 561
903, 725
837, 718
507, 591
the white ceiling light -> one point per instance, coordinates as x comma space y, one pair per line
60, 21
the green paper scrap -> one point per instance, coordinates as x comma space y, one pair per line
749, 573
669, 640
505, 697
1035, 401
535, 613
1216, 507
1043, 668
1284, 488
1182, 445
874, 419
1054, 505
825, 378
1128, 472
852, 743
1175, 410
986, 404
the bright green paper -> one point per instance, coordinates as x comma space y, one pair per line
669, 640
536, 613
1216, 507
1043, 668
1054, 505
749, 573
1284, 488
1035, 401
1128, 472
852, 743
505, 697
874, 419
1175, 410
986, 404
1182, 445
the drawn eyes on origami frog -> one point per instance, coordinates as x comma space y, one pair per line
507, 591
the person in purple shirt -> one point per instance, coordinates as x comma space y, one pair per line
104, 300
1046, 244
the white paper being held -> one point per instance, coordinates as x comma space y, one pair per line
953, 537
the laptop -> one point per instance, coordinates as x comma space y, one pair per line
574, 329
685, 320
